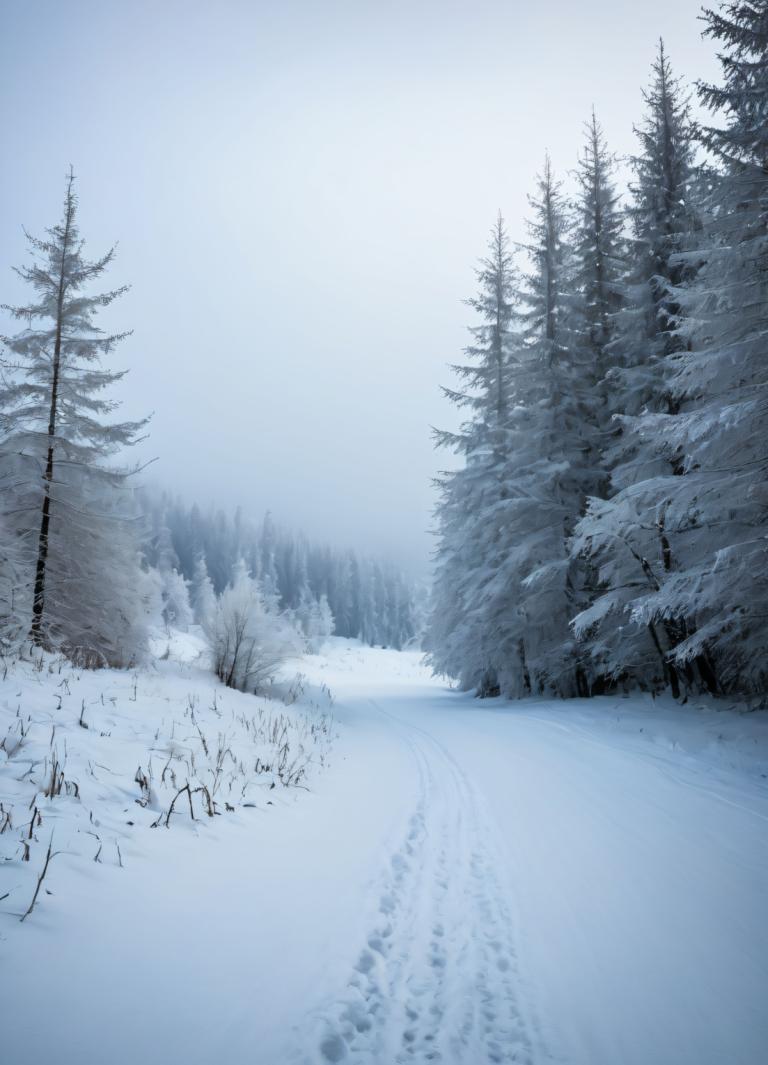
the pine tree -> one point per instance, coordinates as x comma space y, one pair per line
463, 638
719, 380
625, 536
202, 596
599, 251
67, 507
164, 555
176, 609
595, 290
315, 620
551, 439
663, 211
268, 572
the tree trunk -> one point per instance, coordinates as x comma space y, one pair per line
38, 601
679, 629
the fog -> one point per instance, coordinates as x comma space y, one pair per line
300, 192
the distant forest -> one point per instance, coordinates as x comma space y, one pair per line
369, 598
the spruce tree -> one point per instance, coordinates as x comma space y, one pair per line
65, 505
464, 638
202, 596
553, 446
719, 381
599, 260
625, 536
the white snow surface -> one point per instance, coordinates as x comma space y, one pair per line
462, 881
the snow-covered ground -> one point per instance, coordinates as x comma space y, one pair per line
462, 882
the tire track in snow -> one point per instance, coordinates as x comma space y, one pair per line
436, 979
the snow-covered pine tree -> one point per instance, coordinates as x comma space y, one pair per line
268, 573
164, 555
598, 243
718, 504
354, 597
664, 220
369, 618
465, 637
66, 507
176, 607
551, 438
201, 594
405, 612
315, 620
625, 536
334, 579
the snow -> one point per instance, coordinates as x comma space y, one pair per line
463, 881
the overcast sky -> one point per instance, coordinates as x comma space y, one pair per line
300, 191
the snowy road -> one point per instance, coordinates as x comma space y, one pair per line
469, 883
436, 978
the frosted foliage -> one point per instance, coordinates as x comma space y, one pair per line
460, 638
505, 587
608, 523
315, 621
201, 593
625, 538
176, 609
249, 643
67, 509
368, 598
716, 512
682, 544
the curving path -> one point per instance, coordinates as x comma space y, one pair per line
436, 979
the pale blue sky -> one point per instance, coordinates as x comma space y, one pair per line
300, 191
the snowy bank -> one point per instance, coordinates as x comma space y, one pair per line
93, 763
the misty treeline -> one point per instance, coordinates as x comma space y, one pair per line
318, 586
609, 522
89, 566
